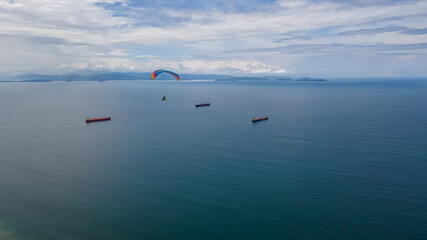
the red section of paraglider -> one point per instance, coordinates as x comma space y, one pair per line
157, 72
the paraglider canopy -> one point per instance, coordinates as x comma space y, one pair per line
157, 72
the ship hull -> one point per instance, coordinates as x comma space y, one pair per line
202, 105
89, 120
259, 119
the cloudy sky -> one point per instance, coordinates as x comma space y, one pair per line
336, 38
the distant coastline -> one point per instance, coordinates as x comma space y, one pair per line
115, 76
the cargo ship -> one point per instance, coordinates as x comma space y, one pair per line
254, 119
89, 120
202, 105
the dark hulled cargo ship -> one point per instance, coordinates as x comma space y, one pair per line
202, 105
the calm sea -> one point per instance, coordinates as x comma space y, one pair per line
336, 160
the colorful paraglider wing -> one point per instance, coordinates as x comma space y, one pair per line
157, 72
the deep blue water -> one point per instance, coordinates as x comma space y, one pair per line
336, 160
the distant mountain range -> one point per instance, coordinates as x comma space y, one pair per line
147, 76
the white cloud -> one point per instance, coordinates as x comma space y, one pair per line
66, 34
292, 4
230, 67
234, 67
84, 22
407, 58
145, 56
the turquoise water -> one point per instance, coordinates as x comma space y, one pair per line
336, 160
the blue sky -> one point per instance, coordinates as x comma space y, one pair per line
362, 38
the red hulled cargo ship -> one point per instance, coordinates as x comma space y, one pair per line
89, 120
259, 119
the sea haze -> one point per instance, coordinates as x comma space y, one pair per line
335, 160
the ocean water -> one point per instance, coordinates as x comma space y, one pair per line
336, 160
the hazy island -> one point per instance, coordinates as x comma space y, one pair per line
308, 79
